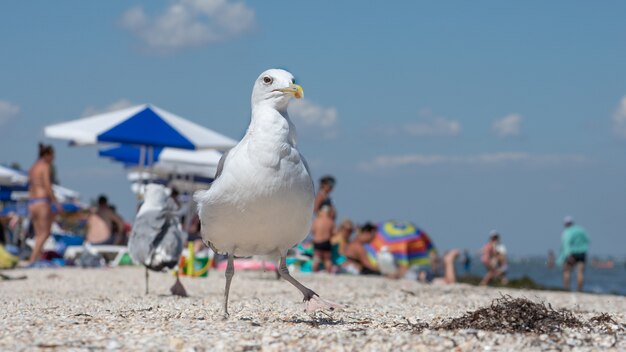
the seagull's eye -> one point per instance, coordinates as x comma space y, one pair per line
293, 81
267, 80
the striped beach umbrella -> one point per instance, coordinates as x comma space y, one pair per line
409, 244
12, 177
142, 125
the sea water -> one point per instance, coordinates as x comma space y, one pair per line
596, 280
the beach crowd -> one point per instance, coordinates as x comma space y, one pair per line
334, 246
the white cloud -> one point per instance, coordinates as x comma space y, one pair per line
189, 23
392, 161
619, 119
429, 125
508, 126
311, 117
8, 111
437, 127
117, 105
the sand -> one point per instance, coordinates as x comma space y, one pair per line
94, 309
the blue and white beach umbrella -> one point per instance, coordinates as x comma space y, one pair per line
142, 125
12, 177
14, 187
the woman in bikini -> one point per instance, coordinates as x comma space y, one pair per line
41, 198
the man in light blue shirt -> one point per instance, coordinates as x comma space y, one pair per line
574, 246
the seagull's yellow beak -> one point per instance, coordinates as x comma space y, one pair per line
294, 89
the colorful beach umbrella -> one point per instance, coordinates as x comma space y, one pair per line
409, 244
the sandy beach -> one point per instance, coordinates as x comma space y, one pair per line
79, 309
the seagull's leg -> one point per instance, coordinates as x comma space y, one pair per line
284, 272
146, 280
230, 272
178, 289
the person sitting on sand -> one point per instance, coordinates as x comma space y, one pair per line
100, 228
341, 238
357, 260
322, 230
574, 246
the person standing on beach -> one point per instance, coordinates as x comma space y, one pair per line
40, 198
490, 258
574, 246
322, 230
327, 183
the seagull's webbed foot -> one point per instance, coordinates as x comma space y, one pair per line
178, 289
317, 303
308, 294
312, 300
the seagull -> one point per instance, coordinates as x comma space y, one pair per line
261, 201
156, 240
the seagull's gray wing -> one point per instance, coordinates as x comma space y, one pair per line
168, 245
147, 228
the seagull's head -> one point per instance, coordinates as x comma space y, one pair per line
154, 194
275, 87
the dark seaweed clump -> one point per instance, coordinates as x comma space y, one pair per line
513, 315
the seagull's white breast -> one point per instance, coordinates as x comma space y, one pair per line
262, 203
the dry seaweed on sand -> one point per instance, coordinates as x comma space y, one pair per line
511, 315
605, 323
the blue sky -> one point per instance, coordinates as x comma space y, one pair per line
460, 117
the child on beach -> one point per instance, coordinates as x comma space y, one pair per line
322, 230
327, 183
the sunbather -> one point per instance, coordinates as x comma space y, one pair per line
356, 254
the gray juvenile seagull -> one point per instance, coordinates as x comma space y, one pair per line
261, 201
156, 240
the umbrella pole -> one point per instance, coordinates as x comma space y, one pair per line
142, 158
190, 204
150, 164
